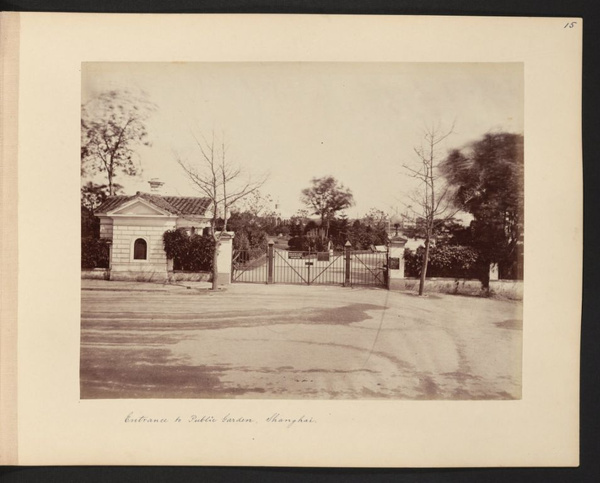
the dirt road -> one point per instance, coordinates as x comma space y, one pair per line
293, 342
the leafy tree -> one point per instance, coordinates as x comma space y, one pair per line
93, 195
445, 231
488, 179
298, 222
250, 230
112, 125
363, 236
339, 232
262, 209
326, 197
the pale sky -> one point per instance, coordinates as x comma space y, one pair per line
358, 122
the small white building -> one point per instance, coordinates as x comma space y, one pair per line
136, 224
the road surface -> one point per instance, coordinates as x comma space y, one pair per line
295, 342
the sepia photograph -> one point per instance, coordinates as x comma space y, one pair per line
302, 230
346, 241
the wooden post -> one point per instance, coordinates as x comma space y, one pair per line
270, 254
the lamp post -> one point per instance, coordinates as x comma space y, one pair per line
396, 222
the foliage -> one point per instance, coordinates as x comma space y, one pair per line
283, 230
360, 235
94, 253
112, 125
452, 261
93, 195
326, 197
192, 253
488, 181
296, 243
442, 229
339, 232
90, 224
247, 226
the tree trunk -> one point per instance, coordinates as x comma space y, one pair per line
485, 276
424, 266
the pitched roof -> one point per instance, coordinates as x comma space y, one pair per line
178, 205
188, 205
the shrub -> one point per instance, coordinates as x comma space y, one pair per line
94, 253
295, 243
90, 224
308, 243
191, 253
452, 261
241, 241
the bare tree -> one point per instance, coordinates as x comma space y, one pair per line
433, 197
222, 182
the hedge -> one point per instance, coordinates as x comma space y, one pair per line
94, 253
451, 261
190, 253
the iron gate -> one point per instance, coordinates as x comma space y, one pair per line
351, 267
249, 266
308, 268
368, 268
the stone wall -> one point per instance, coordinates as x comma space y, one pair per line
179, 276
510, 289
106, 228
95, 274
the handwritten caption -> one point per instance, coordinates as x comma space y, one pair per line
275, 419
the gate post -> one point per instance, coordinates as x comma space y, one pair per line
224, 258
270, 253
396, 263
347, 252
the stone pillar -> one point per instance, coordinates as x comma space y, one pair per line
494, 274
224, 258
347, 268
396, 263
